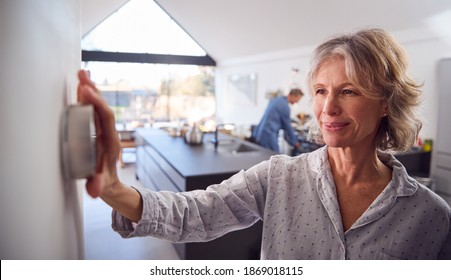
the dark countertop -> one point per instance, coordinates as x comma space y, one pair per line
416, 162
200, 160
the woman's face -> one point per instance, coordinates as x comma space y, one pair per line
346, 117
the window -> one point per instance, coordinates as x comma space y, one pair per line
141, 94
144, 93
141, 26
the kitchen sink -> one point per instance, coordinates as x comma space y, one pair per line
234, 148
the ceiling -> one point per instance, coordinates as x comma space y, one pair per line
232, 29
95, 11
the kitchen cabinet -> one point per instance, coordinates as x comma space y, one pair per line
167, 163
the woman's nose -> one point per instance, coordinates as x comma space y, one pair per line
331, 106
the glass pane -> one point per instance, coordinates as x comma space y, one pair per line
142, 94
141, 26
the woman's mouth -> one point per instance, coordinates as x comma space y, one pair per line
334, 126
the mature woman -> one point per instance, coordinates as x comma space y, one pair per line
347, 200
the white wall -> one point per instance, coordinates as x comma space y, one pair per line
274, 72
424, 48
40, 212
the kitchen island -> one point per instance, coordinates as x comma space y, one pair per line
164, 162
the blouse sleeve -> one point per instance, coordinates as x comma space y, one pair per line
445, 253
200, 215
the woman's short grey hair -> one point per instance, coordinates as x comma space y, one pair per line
377, 65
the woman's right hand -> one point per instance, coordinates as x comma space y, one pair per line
107, 140
105, 183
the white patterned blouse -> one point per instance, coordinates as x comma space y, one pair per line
296, 199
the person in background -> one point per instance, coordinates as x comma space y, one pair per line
276, 118
349, 199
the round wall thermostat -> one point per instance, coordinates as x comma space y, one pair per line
78, 145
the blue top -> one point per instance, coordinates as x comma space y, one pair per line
275, 118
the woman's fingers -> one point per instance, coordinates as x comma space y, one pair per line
84, 80
108, 144
83, 77
89, 94
105, 115
94, 185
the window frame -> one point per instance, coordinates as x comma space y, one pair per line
102, 56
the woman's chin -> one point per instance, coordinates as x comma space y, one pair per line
335, 143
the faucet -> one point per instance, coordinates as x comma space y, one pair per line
215, 139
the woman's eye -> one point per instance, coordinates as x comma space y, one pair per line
348, 92
320, 91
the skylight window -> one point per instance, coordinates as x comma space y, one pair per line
141, 26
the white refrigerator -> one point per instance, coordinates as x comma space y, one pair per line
441, 160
